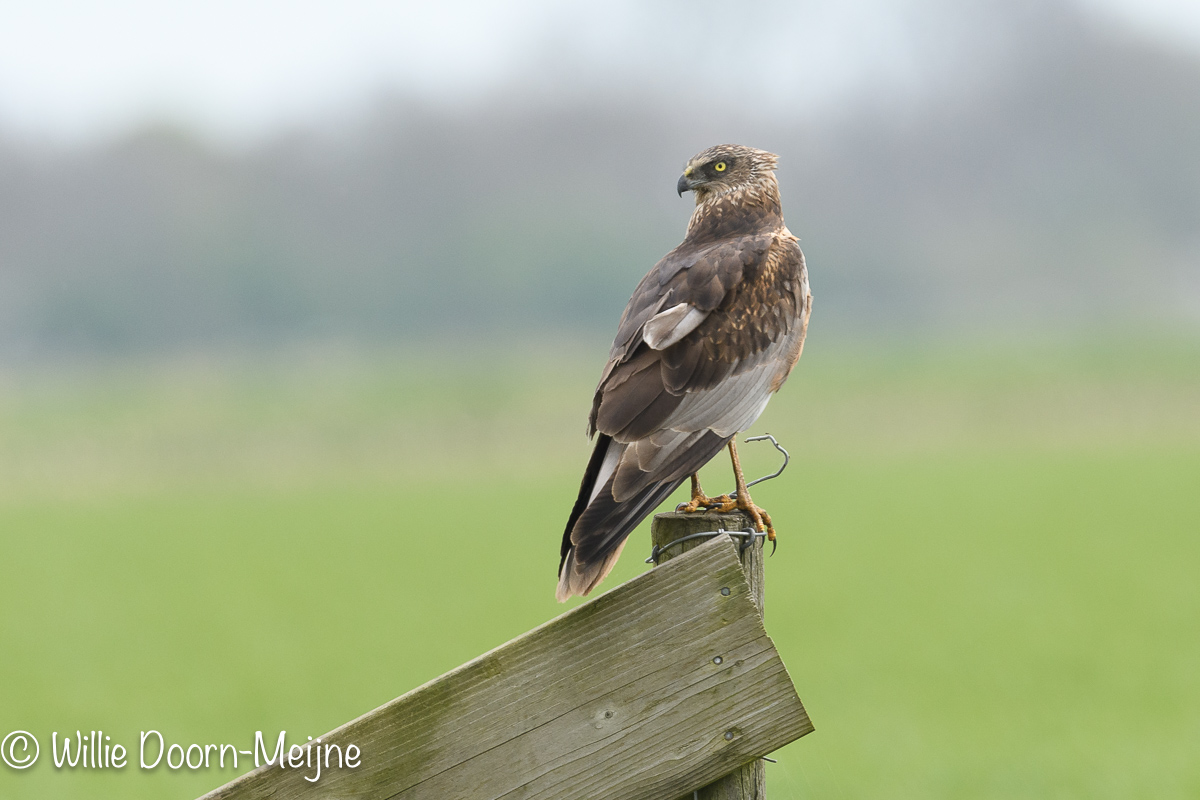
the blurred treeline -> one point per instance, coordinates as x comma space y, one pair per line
1049, 178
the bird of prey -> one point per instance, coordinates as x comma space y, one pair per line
711, 332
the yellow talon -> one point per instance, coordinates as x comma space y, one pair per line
702, 502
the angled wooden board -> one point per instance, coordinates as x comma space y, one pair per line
649, 691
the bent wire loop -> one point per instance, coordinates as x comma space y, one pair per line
787, 458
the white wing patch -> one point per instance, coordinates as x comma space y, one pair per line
668, 327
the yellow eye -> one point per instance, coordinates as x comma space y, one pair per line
719, 166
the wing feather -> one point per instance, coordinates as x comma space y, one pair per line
733, 404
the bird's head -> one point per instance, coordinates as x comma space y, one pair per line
724, 168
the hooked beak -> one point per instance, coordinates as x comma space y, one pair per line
685, 182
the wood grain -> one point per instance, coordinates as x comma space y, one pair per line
649, 691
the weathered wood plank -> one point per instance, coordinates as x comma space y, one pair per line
622, 698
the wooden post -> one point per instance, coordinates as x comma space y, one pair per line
747, 782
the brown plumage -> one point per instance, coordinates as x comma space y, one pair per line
709, 334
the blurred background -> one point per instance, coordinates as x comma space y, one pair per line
302, 305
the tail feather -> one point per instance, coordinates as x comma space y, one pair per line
575, 581
599, 523
599, 534
607, 522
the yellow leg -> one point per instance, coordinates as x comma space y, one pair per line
762, 520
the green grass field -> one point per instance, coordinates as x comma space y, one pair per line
986, 584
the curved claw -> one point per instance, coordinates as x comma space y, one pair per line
761, 520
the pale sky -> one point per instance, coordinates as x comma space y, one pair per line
241, 68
